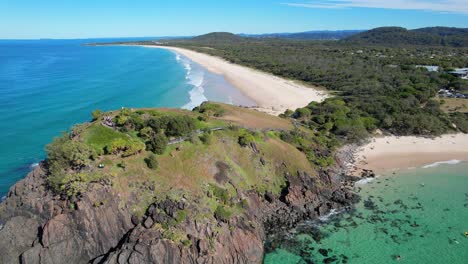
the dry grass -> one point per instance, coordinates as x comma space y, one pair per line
253, 119
454, 105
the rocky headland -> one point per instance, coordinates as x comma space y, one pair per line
223, 215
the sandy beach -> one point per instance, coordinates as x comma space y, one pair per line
390, 153
272, 94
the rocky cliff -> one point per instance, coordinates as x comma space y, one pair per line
39, 227
211, 202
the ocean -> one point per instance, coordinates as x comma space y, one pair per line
418, 214
47, 86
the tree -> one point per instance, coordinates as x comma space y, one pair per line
63, 155
180, 126
127, 147
157, 143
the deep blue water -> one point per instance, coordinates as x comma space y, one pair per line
47, 86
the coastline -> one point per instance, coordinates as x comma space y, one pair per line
272, 94
391, 153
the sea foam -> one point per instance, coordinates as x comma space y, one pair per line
195, 77
327, 217
364, 181
438, 163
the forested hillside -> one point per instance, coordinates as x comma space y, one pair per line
432, 36
309, 35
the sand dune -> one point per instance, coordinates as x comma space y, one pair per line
389, 153
272, 94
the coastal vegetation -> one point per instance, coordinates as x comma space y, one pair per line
162, 154
374, 86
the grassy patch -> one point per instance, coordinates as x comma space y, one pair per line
98, 136
450, 105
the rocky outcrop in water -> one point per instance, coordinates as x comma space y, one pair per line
38, 226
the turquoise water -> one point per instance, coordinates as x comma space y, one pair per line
49, 85
420, 215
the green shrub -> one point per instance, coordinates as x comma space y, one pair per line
287, 113
180, 126
64, 154
221, 194
122, 165
127, 147
152, 162
157, 143
206, 138
210, 109
181, 216
222, 213
73, 183
96, 114
245, 138
116, 146
145, 133
461, 121
172, 126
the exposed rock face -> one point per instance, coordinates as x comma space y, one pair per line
37, 226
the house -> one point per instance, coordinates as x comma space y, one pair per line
429, 68
460, 73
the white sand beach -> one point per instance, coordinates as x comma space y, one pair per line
390, 153
272, 94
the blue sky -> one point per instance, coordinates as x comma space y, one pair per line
21, 19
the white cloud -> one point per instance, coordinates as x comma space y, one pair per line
442, 6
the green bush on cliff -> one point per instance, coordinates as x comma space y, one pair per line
65, 153
127, 147
245, 138
222, 213
220, 193
157, 143
96, 114
210, 109
206, 138
151, 162
172, 126
460, 120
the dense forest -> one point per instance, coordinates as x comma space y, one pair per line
431, 36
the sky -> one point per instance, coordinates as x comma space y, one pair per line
32, 19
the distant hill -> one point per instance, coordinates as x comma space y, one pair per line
308, 35
431, 36
218, 37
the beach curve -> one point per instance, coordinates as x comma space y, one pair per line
272, 94
391, 153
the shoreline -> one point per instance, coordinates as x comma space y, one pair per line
391, 153
272, 94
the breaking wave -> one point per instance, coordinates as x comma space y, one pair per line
327, 217
435, 164
196, 78
364, 181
